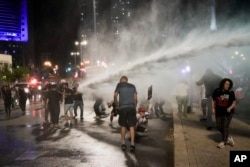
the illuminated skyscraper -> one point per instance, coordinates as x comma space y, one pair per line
94, 14
14, 29
121, 12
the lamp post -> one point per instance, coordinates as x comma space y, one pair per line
81, 44
74, 54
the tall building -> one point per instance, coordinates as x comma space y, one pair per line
14, 30
94, 14
121, 14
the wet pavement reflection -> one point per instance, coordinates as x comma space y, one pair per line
88, 143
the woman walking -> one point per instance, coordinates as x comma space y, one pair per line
223, 105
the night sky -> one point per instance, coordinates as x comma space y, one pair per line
56, 25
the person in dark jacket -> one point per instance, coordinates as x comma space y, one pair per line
211, 82
78, 102
22, 98
7, 100
53, 105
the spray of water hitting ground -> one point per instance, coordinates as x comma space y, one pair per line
153, 52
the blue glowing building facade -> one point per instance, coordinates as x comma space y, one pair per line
13, 20
14, 31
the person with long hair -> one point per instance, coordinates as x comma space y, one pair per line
223, 104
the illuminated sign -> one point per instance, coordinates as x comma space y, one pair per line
13, 20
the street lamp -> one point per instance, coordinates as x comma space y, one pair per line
82, 43
74, 54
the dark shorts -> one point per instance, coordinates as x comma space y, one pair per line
127, 117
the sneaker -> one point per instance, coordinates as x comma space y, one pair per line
132, 148
230, 141
124, 147
221, 145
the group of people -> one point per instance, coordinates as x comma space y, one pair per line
54, 95
217, 98
10, 95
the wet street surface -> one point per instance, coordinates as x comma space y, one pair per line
26, 142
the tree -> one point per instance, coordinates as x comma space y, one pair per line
6, 74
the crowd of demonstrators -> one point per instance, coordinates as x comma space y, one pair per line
211, 82
11, 95
223, 104
127, 110
181, 92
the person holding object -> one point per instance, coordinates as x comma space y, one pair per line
223, 104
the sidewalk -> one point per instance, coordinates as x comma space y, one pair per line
197, 147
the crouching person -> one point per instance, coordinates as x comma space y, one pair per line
142, 120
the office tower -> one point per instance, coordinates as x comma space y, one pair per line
14, 30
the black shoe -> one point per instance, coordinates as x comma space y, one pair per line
81, 118
209, 128
132, 148
124, 147
203, 119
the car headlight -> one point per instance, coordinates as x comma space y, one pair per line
39, 87
26, 90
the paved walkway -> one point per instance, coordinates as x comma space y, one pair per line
197, 147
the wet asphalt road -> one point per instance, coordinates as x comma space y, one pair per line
26, 142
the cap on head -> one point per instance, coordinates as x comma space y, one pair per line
141, 109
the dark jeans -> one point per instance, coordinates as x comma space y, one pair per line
22, 104
76, 105
223, 122
54, 111
7, 106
